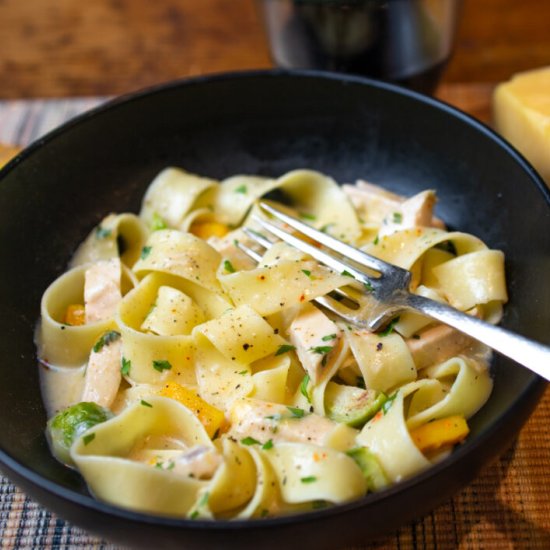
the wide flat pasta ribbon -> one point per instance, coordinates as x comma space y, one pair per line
103, 454
117, 235
65, 345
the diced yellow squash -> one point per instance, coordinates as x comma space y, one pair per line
75, 315
210, 417
204, 230
439, 434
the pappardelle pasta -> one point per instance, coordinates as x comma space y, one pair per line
182, 378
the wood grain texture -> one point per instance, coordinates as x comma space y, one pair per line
108, 47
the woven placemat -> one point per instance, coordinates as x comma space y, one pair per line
506, 507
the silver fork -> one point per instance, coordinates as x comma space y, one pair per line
385, 293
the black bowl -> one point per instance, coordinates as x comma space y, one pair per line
263, 123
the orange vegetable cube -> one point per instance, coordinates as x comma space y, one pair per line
75, 315
441, 433
210, 417
203, 230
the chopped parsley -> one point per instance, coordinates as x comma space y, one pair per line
296, 412
308, 479
389, 328
324, 351
145, 251
346, 273
105, 340
376, 240
228, 266
88, 438
250, 441
276, 417
241, 189
306, 272
243, 372
303, 388
368, 286
146, 404
158, 223
397, 217
267, 445
306, 216
328, 337
102, 233
161, 365
284, 349
321, 350
125, 366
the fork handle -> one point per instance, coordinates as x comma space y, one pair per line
530, 354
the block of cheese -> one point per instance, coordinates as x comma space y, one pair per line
521, 112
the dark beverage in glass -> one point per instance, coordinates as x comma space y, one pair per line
407, 42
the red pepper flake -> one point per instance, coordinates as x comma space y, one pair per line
302, 297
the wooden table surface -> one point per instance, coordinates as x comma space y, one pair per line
71, 48
107, 47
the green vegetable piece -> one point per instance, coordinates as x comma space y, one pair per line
370, 467
352, 406
69, 424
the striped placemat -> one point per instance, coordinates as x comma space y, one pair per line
507, 507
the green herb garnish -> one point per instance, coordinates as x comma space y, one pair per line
267, 445
308, 479
306, 216
105, 340
296, 412
397, 217
389, 329
303, 388
145, 404
328, 337
228, 266
321, 350
241, 189
145, 251
306, 272
161, 365
250, 441
284, 349
346, 273
125, 366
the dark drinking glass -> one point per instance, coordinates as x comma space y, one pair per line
407, 42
